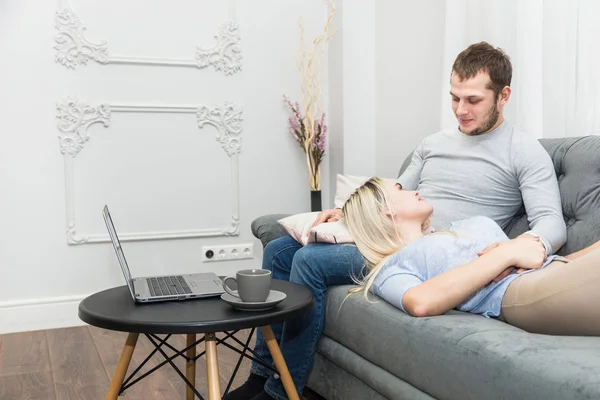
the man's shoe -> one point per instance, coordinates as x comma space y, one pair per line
253, 386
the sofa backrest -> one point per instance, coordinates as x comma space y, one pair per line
577, 165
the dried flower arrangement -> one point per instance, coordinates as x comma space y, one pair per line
307, 122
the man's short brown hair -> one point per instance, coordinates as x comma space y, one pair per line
483, 57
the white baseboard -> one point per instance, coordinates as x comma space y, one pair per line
33, 315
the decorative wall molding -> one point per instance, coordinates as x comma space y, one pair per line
74, 119
73, 49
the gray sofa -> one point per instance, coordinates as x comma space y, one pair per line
374, 351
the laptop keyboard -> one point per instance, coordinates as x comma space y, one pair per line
167, 285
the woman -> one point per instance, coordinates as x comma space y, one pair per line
426, 275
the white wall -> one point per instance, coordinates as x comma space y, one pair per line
156, 171
335, 53
358, 63
409, 40
385, 83
352, 122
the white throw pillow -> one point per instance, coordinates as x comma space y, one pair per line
298, 226
345, 186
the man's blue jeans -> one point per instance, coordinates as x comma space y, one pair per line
315, 266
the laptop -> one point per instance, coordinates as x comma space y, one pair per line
167, 287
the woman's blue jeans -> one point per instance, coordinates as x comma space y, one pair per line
315, 266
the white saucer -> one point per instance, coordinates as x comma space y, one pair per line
275, 297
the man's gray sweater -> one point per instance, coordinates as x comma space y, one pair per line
493, 175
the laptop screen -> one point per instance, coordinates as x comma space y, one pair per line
117, 245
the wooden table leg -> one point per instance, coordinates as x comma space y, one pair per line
212, 367
121, 370
190, 366
282, 369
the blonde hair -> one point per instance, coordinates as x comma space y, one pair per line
374, 233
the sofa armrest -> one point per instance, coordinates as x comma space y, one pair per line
266, 228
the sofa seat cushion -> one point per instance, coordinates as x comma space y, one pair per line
358, 379
464, 356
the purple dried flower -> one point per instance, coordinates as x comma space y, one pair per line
322, 132
297, 127
294, 124
288, 101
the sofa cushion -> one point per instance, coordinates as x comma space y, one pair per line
464, 356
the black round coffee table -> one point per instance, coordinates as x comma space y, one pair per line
114, 309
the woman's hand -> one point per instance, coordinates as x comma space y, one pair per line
509, 270
328, 216
525, 252
504, 273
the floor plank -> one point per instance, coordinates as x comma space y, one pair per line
154, 386
22, 353
77, 370
30, 386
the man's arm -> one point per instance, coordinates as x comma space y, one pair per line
541, 197
412, 174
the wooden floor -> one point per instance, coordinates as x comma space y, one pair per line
77, 364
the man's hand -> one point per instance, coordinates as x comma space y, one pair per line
328, 216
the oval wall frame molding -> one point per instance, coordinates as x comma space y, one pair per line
74, 119
74, 50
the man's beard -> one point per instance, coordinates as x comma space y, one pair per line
487, 124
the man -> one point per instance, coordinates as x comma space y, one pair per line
485, 167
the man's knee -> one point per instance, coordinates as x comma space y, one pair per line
276, 246
325, 260
308, 267
313, 262
306, 258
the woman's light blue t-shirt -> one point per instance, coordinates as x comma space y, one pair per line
435, 254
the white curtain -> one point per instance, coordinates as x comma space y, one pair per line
554, 46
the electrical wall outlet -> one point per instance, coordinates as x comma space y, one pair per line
227, 252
